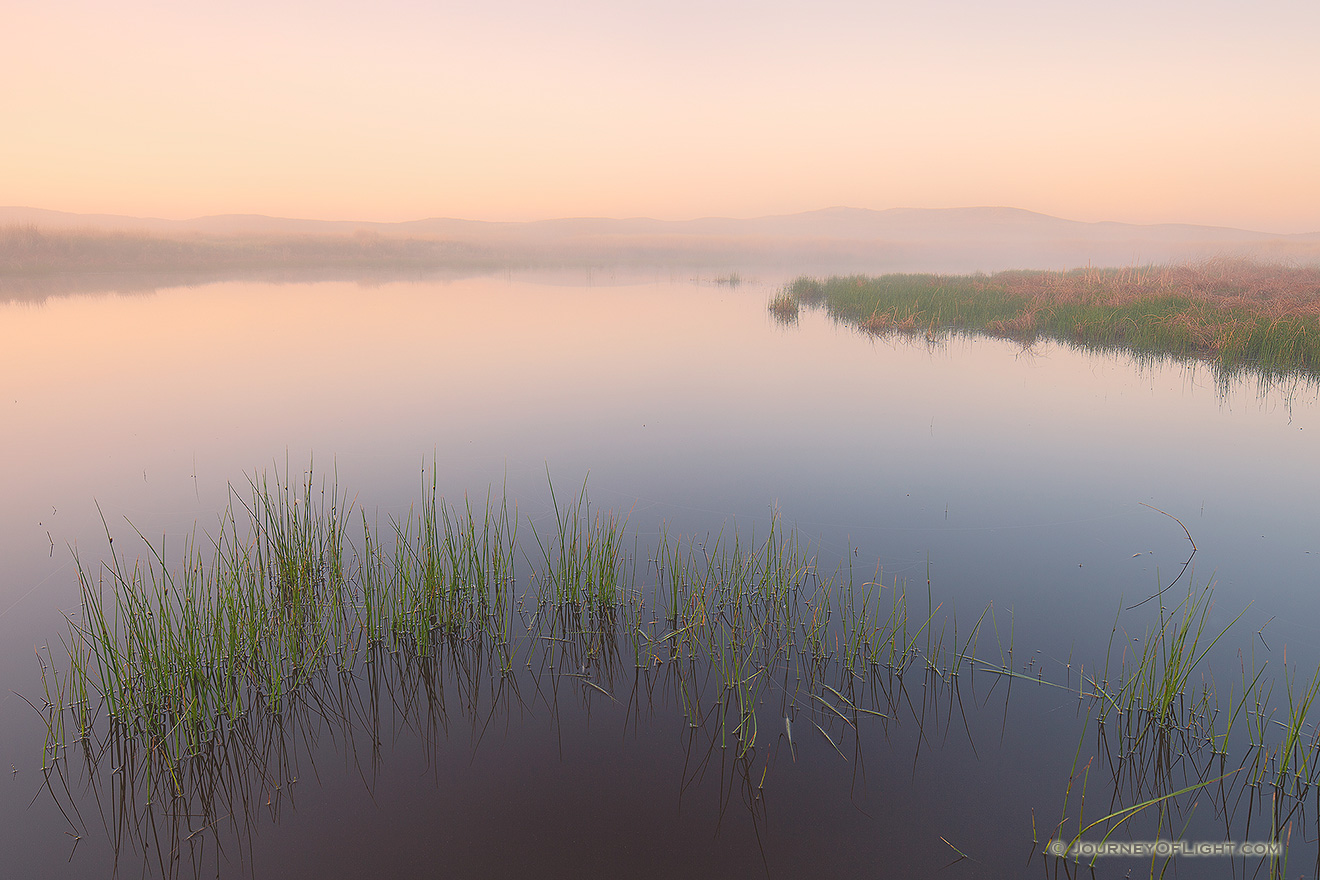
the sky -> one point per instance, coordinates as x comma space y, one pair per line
1144, 112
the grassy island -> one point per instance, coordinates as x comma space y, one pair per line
1236, 314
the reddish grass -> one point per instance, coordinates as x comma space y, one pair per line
1273, 291
1237, 313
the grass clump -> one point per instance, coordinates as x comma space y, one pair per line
785, 308
178, 646
1162, 733
442, 571
584, 559
1236, 314
175, 649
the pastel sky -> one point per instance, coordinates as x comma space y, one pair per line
1203, 112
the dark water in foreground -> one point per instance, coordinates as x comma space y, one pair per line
1018, 477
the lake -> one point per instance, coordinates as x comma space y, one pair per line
1042, 484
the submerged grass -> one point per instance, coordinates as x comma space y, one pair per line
175, 649
177, 645
440, 572
1237, 314
180, 652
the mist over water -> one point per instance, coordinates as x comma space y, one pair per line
46, 253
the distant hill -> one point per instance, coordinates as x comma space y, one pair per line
904, 224
833, 239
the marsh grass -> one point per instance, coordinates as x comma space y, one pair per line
1163, 736
173, 648
584, 558
187, 639
200, 664
1236, 314
181, 654
785, 307
441, 572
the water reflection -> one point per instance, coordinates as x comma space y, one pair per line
1017, 478
417, 645
222, 679
200, 813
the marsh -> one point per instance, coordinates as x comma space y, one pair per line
1002, 498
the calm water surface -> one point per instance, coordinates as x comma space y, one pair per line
1015, 478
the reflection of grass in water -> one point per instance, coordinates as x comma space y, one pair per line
178, 812
785, 307
201, 661
1237, 314
173, 649
255, 622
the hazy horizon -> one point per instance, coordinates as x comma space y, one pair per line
831, 241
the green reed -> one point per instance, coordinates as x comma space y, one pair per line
584, 558
1164, 735
172, 645
444, 571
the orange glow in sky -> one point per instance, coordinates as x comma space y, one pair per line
1164, 112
